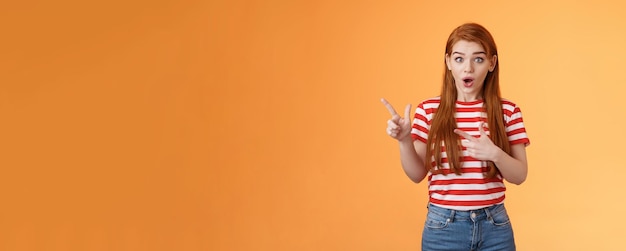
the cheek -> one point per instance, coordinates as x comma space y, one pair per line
458, 76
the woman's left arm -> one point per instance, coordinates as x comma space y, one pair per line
514, 167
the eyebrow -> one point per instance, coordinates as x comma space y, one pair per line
478, 52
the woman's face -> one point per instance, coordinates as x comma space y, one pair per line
469, 65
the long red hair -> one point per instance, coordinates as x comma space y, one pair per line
444, 122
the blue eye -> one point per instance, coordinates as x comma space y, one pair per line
458, 59
479, 60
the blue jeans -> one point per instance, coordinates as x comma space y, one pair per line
485, 229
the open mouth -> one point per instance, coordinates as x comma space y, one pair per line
468, 81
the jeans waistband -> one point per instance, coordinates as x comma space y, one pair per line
477, 214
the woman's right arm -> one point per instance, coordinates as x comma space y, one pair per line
411, 159
412, 152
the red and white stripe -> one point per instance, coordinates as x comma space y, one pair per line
470, 190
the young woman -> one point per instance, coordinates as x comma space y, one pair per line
467, 141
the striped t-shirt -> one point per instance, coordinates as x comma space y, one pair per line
470, 190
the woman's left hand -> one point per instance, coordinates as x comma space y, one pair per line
481, 148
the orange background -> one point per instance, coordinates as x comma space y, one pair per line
256, 125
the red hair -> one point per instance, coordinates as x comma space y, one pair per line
444, 122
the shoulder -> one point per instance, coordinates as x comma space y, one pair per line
428, 106
510, 109
431, 102
508, 105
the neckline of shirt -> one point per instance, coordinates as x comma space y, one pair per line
475, 102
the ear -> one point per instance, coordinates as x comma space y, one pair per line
494, 60
448, 61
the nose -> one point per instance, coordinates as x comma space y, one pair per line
468, 67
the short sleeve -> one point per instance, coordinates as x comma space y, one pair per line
515, 129
421, 124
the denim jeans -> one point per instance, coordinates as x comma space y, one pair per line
486, 229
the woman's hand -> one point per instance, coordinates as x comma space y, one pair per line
481, 148
398, 127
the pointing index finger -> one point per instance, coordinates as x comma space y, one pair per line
464, 134
389, 107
